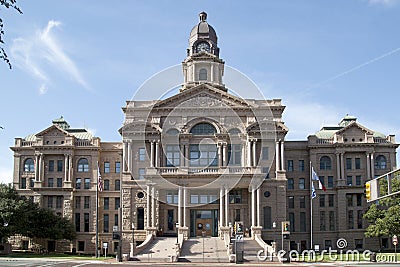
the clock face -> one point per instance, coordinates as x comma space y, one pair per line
203, 46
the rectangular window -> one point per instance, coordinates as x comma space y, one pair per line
331, 221
172, 155
303, 222
235, 196
106, 203
59, 182
290, 182
331, 200
203, 155
50, 182
302, 201
172, 198
322, 200
77, 222
87, 183
194, 199
322, 223
86, 222
141, 173
359, 200
106, 167
142, 154
116, 221
358, 163
86, 202
349, 180
350, 219
117, 167
78, 182
106, 223
235, 154
265, 153
81, 245
32, 183
106, 185
266, 171
51, 165
292, 221
59, 165
349, 200
302, 183
290, 166
77, 202
348, 164
117, 185
359, 219
322, 179
291, 202
23, 183
301, 165
170, 220
59, 202
50, 202
358, 243
117, 203
267, 222
330, 181
358, 179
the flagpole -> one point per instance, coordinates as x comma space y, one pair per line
311, 209
97, 213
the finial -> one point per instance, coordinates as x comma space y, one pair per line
203, 16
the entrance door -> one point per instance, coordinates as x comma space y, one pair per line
203, 225
203, 220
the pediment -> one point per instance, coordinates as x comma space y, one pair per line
53, 131
202, 96
354, 129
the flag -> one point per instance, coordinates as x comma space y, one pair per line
315, 177
313, 192
99, 180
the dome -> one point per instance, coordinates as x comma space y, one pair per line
203, 30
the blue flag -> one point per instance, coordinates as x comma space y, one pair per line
313, 192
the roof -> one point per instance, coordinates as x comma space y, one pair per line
203, 29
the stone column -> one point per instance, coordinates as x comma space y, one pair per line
253, 207
249, 153
372, 166
179, 206
184, 205
152, 154
277, 157
282, 155
124, 148
37, 167
254, 161
220, 155
342, 164
338, 166
187, 155
66, 167
153, 207
243, 162
226, 206
157, 160
221, 207
148, 207
40, 167
70, 169
368, 166
225, 154
258, 206
129, 157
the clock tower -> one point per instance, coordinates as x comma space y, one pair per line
203, 64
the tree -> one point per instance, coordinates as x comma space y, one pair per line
18, 215
7, 4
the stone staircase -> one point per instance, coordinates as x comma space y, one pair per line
207, 249
251, 248
161, 249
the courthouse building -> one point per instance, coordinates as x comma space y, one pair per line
200, 160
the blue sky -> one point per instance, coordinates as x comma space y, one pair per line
84, 59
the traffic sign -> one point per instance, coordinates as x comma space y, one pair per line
239, 238
394, 240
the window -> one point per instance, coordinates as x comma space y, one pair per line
50, 182
86, 222
322, 222
59, 202
331, 200
51, 165
359, 200
235, 154
117, 167
106, 167
237, 215
359, 219
325, 163
203, 155
170, 220
328, 244
358, 243
290, 165
50, 202
291, 220
59, 182
322, 200
117, 185
86, 202
117, 203
301, 165
29, 165
116, 219
350, 219
349, 180
203, 129
172, 198
172, 155
77, 202
358, 163
302, 221
330, 181
267, 218
266, 171
203, 75
358, 179
291, 202
78, 182
290, 182
235, 196
106, 223
22, 185
59, 165
32, 183
348, 164
106, 185
142, 154
302, 201
87, 183
81, 245
141, 173
302, 183
331, 221
265, 152
349, 200
77, 222
83, 165
380, 162
106, 203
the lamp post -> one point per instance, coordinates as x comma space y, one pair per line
177, 232
133, 239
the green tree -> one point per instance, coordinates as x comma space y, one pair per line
7, 4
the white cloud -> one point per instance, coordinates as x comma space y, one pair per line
41, 53
387, 3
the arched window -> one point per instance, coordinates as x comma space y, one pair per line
172, 132
203, 129
29, 165
83, 165
203, 75
325, 163
380, 162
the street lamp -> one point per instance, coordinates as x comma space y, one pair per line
133, 239
177, 232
